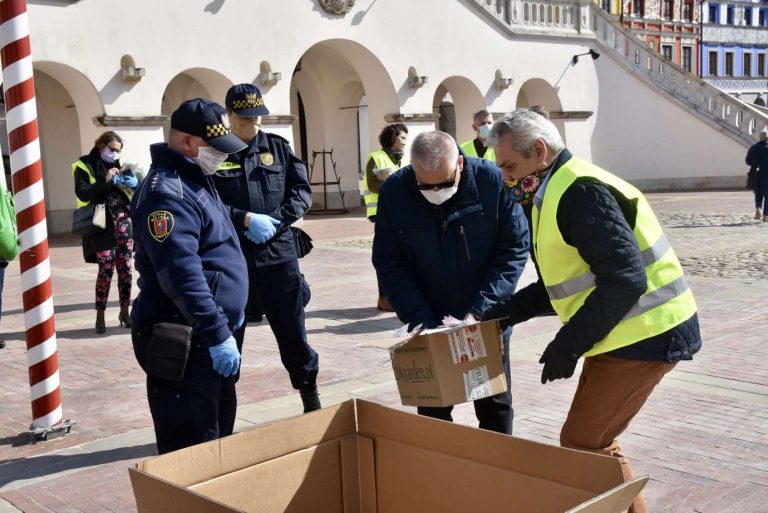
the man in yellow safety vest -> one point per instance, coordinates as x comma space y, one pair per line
609, 273
481, 123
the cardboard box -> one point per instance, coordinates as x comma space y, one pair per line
360, 457
448, 366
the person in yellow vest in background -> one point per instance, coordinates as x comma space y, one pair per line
608, 271
482, 121
380, 166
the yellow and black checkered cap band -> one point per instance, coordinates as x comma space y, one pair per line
216, 130
248, 103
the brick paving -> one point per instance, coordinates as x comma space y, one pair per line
702, 437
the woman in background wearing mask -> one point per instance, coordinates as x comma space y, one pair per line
381, 164
98, 179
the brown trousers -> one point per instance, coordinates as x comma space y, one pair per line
610, 393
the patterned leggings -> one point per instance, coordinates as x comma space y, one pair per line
119, 257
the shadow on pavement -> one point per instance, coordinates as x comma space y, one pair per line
74, 334
359, 327
344, 313
30, 468
58, 309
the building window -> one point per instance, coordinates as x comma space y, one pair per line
667, 9
688, 11
606, 5
714, 13
748, 16
687, 53
638, 7
666, 51
760, 64
764, 17
728, 64
731, 13
747, 64
712, 69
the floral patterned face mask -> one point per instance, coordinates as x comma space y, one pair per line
524, 189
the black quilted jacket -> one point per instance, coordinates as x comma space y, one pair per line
598, 221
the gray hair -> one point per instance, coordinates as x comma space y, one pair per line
432, 149
764, 135
525, 127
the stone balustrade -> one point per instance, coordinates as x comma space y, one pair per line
583, 19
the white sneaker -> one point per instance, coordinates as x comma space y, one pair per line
757, 214
765, 219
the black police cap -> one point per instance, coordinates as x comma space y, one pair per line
208, 120
246, 100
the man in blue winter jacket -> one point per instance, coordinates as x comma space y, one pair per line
193, 278
450, 241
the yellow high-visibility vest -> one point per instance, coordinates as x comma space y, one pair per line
382, 161
91, 179
666, 302
469, 149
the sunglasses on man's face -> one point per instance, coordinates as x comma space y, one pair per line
442, 185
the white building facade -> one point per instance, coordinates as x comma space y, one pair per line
332, 79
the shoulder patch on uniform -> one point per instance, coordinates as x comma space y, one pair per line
160, 224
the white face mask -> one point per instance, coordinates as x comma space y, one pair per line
209, 159
484, 130
440, 196
108, 155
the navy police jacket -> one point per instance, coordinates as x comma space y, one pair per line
187, 252
451, 259
266, 178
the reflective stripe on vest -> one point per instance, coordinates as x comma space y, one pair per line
667, 301
382, 161
91, 179
226, 166
469, 149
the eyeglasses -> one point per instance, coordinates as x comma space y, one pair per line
442, 185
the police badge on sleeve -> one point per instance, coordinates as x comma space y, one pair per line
160, 224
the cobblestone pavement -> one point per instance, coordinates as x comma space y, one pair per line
702, 437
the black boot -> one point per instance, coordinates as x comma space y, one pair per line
101, 326
309, 398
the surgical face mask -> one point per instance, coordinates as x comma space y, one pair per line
209, 159
109, 155
484, 130
440, 196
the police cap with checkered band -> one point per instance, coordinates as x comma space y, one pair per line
245, 100
208, 120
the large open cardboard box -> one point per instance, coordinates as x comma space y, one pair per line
360, 457
447, 366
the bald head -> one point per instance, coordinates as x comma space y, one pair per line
431, 150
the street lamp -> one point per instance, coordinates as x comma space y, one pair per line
574, 60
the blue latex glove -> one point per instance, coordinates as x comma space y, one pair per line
118, 179
226, 357
240, 322
131, 181
261, 228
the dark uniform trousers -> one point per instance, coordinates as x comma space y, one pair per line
200, 407
494, 413
284, 294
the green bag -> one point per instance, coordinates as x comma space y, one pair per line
9, 243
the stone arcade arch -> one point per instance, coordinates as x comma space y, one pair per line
193, 83
456, 100
333, 79
67, 107
537, 91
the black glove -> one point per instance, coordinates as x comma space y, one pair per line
500, 311
556, 365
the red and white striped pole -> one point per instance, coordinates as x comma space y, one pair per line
27, 172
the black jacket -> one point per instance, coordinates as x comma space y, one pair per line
593, 217
96, 193
272, 181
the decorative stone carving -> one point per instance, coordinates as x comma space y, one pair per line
734, 85
337, 7
738, 35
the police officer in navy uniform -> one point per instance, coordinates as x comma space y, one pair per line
192, 273
267, 189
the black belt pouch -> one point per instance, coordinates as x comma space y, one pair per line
168, 350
